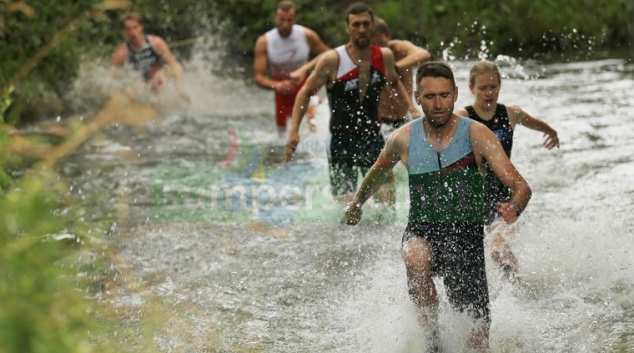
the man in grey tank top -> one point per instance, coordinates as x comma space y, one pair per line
444, 155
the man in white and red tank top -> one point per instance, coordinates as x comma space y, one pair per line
354, 75
280, 51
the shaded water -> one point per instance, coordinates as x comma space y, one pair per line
284, 281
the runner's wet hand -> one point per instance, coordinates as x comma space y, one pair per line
291, 145
551, 140
284, 87
353, 213
298, 76
507, 211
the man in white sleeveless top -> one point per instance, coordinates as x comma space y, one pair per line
280, 51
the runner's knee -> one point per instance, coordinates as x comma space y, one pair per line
417, 255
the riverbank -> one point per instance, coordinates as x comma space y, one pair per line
68, 35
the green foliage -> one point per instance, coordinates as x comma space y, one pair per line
42, 303
40, 309
33, 33
22, 36
7, 160
43, 285
461, 28
524, 28
6, 100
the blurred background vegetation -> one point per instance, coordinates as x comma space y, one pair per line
47, 263
462, 28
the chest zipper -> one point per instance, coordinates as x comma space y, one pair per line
439, 163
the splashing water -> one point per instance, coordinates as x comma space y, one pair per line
237, 285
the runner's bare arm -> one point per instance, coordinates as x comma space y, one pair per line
318, 47
410, 54
315, 43
303, 71
260, 65
166, 54
168, 57
462, 112
299, 74
260, 68
396, 87
487, 145
318, 78
377, 175
120, 56
519, 116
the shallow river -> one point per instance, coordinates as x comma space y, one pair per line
275, 272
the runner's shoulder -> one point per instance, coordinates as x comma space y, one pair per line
399, 138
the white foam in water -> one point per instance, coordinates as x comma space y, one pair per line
574, 241
213, 94
379, 314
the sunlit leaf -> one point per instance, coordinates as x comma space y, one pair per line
27, 10
115, 5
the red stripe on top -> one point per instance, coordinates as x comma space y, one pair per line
377, 63
377, 59
354, 73
464, 162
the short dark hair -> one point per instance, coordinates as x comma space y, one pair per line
134, 16
285, 5
358, 8
380, 26
435, 69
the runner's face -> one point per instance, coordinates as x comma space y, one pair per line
436, 95
133, 30
284, 21
486, 89
359, 28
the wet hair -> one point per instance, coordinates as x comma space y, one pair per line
285, 5
357, 8
380, 26
435, 69
135, 16
483, 67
